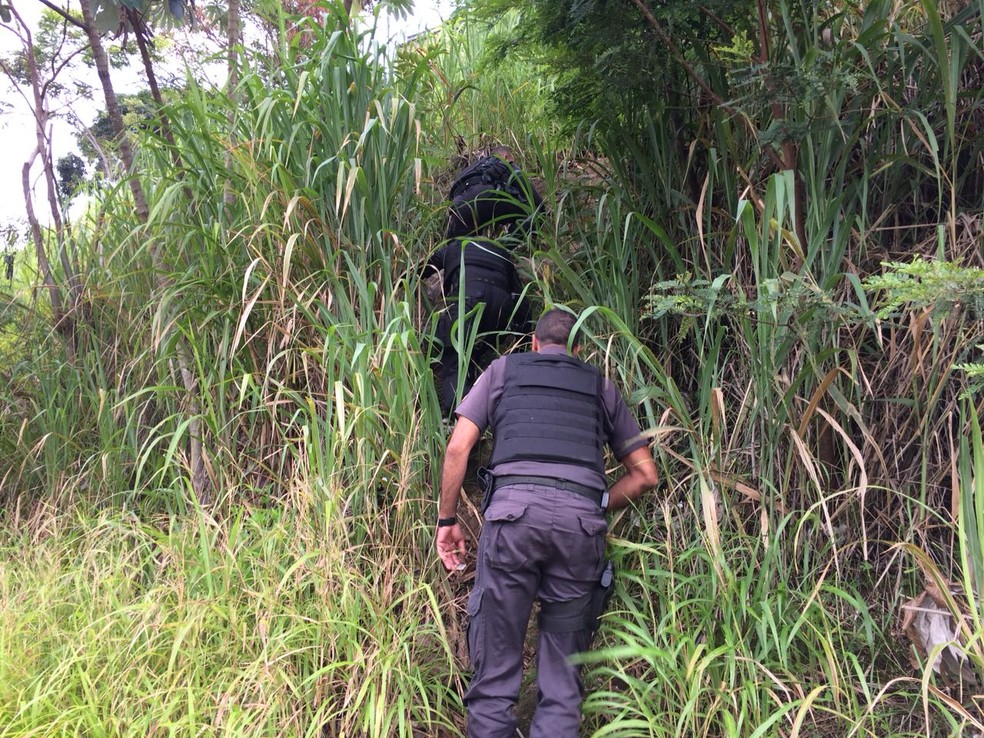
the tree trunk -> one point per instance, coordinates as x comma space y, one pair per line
232, 35
199, 480
113, 110
62, 322
64, 315
141, 33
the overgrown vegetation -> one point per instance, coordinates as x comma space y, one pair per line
784, 278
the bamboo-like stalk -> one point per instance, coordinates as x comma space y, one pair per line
197, 469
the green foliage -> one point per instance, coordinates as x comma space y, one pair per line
98, 142
923, 283
484, 90
690, 642
71, 174
942, 287
784, 295
269, 624
740, 50
609, 61
975, 373
109, 14
802, 401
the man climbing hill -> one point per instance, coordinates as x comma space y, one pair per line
489, 278
552, 416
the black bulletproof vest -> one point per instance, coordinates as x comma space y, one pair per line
550, 411
483, 261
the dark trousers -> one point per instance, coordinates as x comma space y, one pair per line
498, 304
542, 543
481, 207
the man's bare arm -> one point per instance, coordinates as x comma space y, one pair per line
450, 540
463, 439
640, 475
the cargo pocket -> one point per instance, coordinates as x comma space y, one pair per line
594, 529
506, 512
476, 627
508, 544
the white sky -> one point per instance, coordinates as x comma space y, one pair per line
17, 128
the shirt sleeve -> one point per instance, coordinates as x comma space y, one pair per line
625, 435
480, 401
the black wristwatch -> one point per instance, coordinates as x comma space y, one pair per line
445, 522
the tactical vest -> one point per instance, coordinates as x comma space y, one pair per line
483, 261
550, 411
490, 171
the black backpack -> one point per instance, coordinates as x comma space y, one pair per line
490, 171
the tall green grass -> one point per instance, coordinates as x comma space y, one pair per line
801, 434
754, 643
293, 603
267, 623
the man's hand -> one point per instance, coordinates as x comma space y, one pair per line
451, 547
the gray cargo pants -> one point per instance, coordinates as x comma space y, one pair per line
537, 542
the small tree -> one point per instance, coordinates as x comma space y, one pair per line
35, 72
71, 175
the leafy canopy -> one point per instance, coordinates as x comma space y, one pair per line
611, 59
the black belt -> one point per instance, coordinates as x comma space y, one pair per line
582, 489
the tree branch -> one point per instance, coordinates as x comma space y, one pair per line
720, 22
698, 79
63, 13
666, 39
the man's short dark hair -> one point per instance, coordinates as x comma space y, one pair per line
554, 328
503, 152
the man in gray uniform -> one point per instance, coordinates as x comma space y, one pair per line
544, 534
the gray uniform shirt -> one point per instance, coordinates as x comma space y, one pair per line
479, 407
